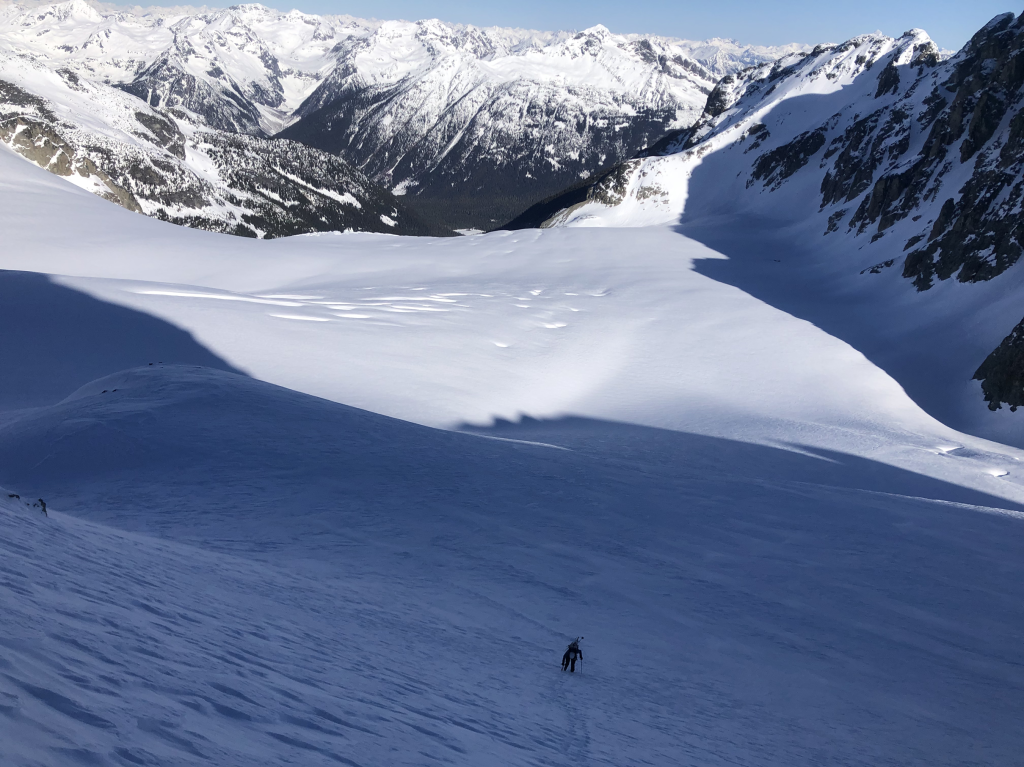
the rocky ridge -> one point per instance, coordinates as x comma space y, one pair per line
1002, 372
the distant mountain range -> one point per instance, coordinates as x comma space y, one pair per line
467, 126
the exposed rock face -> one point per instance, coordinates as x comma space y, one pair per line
611, 189
776, 166
28, 126
167, 83
1002, 372
979, 233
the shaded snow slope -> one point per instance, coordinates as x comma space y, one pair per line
56, 339
472, 124
332, 586
842, 182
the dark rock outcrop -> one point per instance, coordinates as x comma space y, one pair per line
979, 234
1002, 372
776, 166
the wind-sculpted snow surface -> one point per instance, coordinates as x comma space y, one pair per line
859, 162
472, 124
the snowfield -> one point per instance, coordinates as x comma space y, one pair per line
300, 536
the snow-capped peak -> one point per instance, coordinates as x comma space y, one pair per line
72, 10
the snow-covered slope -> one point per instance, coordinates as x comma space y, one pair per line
441, 332
243, 69
472, 124
776, 557
869, 171
284, 580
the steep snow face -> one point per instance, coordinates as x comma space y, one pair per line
873, 159
472, 124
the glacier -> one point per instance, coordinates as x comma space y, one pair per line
343, 497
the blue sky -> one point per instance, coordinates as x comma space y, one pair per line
950, 22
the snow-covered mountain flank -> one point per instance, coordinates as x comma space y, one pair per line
64, 114
107, 141
873, 158
470, 125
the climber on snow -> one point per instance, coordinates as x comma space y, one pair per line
572, 652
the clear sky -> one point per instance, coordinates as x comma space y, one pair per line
949, 22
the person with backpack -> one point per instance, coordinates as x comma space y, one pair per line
572, 652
